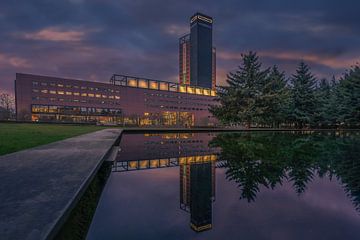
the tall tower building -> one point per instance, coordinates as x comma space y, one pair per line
197, 56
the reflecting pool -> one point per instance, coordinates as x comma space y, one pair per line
262, 185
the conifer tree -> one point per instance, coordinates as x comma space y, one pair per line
303, 102
275, 97
240, 100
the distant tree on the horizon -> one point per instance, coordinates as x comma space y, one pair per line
7, 104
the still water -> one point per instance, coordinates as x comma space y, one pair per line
232, 186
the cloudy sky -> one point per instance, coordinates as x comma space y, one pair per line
92, 39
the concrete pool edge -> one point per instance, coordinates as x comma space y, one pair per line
26, 210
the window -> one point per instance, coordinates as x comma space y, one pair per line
111, 97
61, 92
52, 92
104, 96
76, 94
98, 95
44, 91
43, 84
83, 94
60, 85
68, 93
52, 84
117, 97
68, 86
91, 95
35, 90
35, 83
83, 87
164, 86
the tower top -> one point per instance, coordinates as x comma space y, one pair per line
199, 17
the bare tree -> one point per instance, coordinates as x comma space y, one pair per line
7, 102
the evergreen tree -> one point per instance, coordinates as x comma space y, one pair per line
349, 88
239, 101
275, 96
303, 102
323, 95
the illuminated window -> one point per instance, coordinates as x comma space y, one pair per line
83, 94
76, 86
117, 97
35, 90
207, 92
91, 95
182, 89
199, 91
76, 100
104, 96
52, 92
213, 93
60, 85
97, 95
190, 90
146, 114
76, 94
143, 84
61, 99
52, 84
154, 85
68, 86
164, 86
83, 88
61, 92
111, 97
68, 93
132, 83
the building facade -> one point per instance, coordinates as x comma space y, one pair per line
201, 50
124, 100
197, 56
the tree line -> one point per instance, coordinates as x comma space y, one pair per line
260, 97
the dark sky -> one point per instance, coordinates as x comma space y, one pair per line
92, 39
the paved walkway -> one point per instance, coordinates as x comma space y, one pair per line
39, 186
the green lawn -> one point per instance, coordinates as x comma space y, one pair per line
15, 137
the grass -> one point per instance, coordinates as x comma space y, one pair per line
15, 137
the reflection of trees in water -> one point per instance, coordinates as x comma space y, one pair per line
259, 159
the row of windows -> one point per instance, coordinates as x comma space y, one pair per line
74, 110
176, 102
37, 98
61, 85
69, 93
177, 96
175, 107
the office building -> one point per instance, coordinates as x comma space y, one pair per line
197, 61
124, 100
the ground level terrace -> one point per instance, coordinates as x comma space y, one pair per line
125, 101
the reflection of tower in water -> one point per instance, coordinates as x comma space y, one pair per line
197, 191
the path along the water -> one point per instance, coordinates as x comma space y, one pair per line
40, 186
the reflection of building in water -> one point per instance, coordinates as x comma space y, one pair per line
164, 146
197, 192
191, 152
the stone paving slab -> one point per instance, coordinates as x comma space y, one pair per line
39, 186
